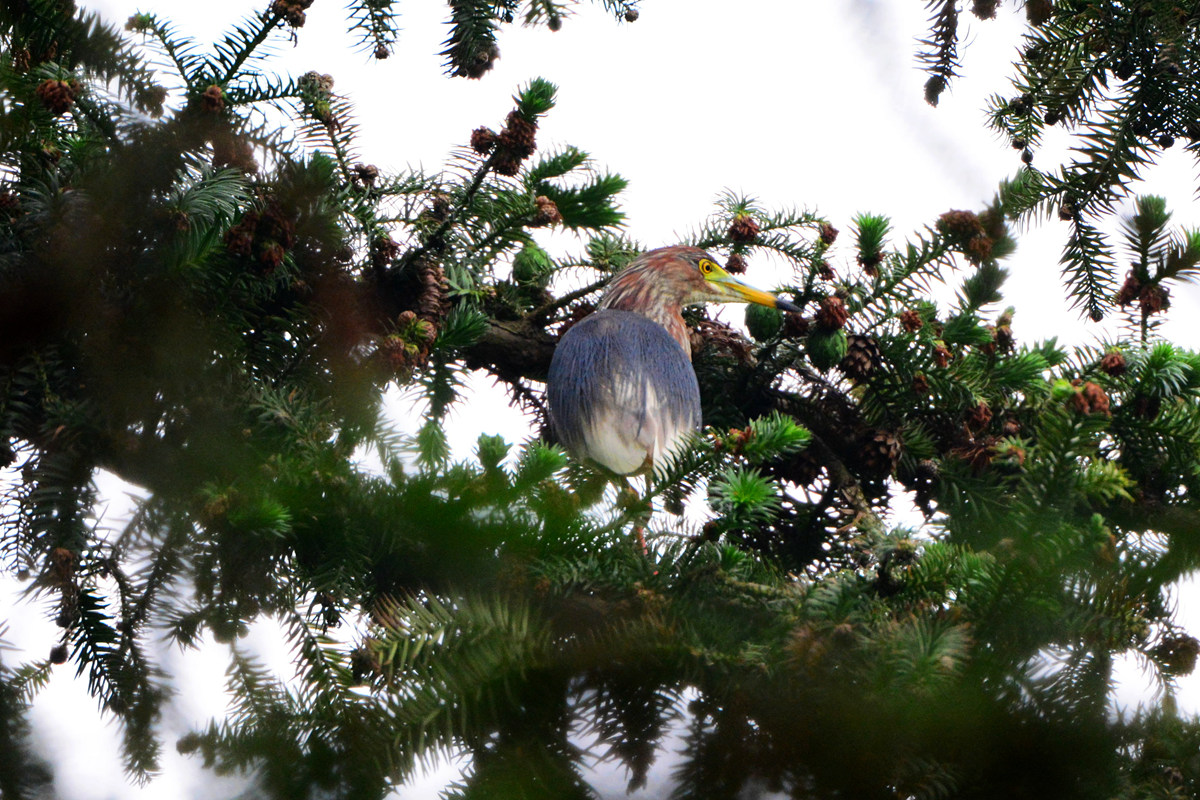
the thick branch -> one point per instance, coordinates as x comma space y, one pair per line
513, 349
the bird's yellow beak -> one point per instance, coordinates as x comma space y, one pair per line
733, 289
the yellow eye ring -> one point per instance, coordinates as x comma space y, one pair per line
707, 266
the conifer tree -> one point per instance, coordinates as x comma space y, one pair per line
209, 302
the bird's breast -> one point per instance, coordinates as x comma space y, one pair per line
622, 392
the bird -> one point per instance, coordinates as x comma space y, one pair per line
621, 389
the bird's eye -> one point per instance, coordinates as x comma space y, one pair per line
706, 266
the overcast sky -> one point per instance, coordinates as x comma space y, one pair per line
805, 103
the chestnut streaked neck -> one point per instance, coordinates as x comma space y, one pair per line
636, 290
645, 288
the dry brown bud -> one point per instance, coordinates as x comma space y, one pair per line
483, 140
1153, 299
979, 417
56, 96
984, 9
1113, 363
1129, 290
213, 99
832, 314
547, 212
366, 173
794, 324
744, 229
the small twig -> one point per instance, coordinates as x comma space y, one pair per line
568, 298
412, 255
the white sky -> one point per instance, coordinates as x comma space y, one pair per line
805, 103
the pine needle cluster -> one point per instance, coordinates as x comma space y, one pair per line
206, 291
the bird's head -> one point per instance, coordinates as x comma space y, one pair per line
680, 276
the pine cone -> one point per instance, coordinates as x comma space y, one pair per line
1096, 399
58, 654
213, 99
934, 88
880, 452
1178, 654
1038, 12
381, 51
744, 229
965, 230
547, 213
505, 162
977, 454
631, 15
736, 265
270, 256
1129, 290
795, 324
434, 301
292, 11
277, 226
62, 564
316, 84
960, 226
979, 248
483, 140
233, 151
516, 142
383, 250
979, 417
862, 357
1090, 399
832, 314
366, 173
477, 66
1113, 363
828, 234
942, 355
1004, 338
399, 357
1153, 298
911, 321
984, 9
920, 384
56, 96
519, 135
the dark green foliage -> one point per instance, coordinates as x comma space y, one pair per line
220, 333
1116, 76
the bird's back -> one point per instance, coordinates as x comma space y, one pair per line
622, 391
